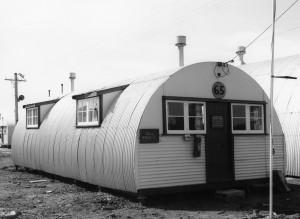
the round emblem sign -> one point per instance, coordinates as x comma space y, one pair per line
218, 90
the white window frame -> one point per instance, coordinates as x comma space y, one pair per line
186, 117
88, 123
30, 116
248, 130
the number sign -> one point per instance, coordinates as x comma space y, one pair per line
219, 90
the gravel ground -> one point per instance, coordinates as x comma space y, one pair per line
53, 198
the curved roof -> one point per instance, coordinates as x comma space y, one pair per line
59, 148
286, 101
286, 91
106, 156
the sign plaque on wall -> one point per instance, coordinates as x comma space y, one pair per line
219, 90
217, 122
149, 136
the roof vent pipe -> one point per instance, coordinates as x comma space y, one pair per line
181, 42
62, 89
49, 91
241, 51
72, 78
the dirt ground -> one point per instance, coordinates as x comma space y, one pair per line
53, 198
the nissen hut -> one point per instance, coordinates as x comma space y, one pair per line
198, 126
286, 102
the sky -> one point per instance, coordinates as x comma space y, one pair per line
104, 41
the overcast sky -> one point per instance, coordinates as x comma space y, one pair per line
105, 41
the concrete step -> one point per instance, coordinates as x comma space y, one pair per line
230, 195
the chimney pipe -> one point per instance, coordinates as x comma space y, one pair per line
181, 42
62, 89
241, 51
72, 78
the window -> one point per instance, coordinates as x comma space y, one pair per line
32, 117
247, 118
88, 112
185, 117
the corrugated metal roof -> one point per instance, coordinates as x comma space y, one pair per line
104, 156
286, 101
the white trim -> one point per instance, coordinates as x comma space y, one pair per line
247, 113
186, 117
32, 125
88, 123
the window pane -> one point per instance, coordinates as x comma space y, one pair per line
95, 114
91, 103
79, 105
239, 124
90, 116
35, 112
195, 109
196, 123
175, 109
84, 117
256, 124
238, 111
84, 106
79, 116
255, 111
176, 123
29, 113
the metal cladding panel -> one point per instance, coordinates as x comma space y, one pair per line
114, 145
81, 154
61, 138
286, 102
170, 163
251, 156
132, 129
291, 125
53, 126
18, 140
90, 162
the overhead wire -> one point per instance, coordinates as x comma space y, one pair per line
203, 9
232, 60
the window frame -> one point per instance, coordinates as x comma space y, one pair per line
89, 124
185, 116
34, 126
248, 121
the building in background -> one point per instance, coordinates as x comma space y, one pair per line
286, 102
6, 132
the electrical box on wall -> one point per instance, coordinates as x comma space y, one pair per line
197, 145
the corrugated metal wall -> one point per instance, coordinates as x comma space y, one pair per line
251, 156
170, 163
286, 102
103, 156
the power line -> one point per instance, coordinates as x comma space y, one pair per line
232, 60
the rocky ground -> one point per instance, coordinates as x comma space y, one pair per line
29, 194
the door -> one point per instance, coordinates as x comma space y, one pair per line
219, 146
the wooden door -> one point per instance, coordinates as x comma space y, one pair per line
219, 146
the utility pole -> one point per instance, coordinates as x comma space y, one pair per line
15, 82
